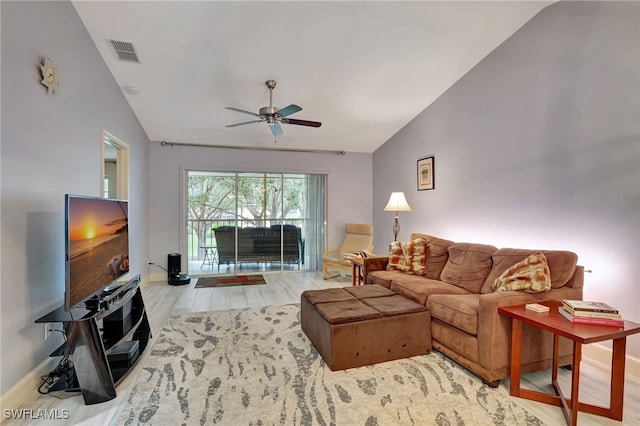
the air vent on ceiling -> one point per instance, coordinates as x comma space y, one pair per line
124, 51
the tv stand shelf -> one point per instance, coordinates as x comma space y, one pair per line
116, 325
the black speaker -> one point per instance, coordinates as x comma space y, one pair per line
173, 263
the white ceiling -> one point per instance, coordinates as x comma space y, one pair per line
364, 69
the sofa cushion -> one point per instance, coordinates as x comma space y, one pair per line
368, 291
347, 311
530, 274
393, 305
468, 265
459, 346
408, 257
458, 311
562, 265
419, 289
398, 258
382, 278
327, 295
437, 254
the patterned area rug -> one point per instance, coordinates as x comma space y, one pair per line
256, 367
230, 281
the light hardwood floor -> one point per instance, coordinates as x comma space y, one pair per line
162, 300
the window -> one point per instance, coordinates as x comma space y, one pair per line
263, 201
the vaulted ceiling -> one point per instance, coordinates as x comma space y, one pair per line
363, 69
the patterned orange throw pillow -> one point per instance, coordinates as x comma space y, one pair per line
408, 257
531, 275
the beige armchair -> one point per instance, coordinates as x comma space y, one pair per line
357, 237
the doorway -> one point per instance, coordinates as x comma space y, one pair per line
248, 222
115, 167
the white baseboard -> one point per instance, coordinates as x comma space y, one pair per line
602, 355
158, 276
146, 279
25, 388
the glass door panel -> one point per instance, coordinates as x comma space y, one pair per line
251, 236
239, 223
211, 206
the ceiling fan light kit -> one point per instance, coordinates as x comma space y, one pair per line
274, 116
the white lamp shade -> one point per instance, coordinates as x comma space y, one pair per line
397, 203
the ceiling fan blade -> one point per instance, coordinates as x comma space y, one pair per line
243, 123
288, 110
276, 129
243, 111
301, 122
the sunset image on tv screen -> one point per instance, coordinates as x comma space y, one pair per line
98, 245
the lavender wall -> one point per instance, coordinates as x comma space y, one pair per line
51, 145
349, 186
538, 146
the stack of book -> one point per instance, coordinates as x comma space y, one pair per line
595, 313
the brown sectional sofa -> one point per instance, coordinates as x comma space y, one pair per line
457, 290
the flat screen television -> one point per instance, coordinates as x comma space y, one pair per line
97, 246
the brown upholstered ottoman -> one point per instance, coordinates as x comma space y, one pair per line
355, 326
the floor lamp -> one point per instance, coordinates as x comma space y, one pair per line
397, 203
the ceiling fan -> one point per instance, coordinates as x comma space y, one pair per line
274, 116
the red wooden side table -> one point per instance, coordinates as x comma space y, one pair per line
356, 272
553, 322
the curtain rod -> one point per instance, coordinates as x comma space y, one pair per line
253, 148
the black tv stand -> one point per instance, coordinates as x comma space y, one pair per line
105, 341
67, 383
94, 304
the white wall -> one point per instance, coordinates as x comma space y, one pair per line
538, 146
51, 145
349, 186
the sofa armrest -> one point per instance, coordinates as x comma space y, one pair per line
374, 263
577, 280
494, 336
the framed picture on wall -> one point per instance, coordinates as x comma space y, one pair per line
426, 177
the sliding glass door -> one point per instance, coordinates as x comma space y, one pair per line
239, 223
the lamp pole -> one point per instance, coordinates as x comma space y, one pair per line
396, 228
